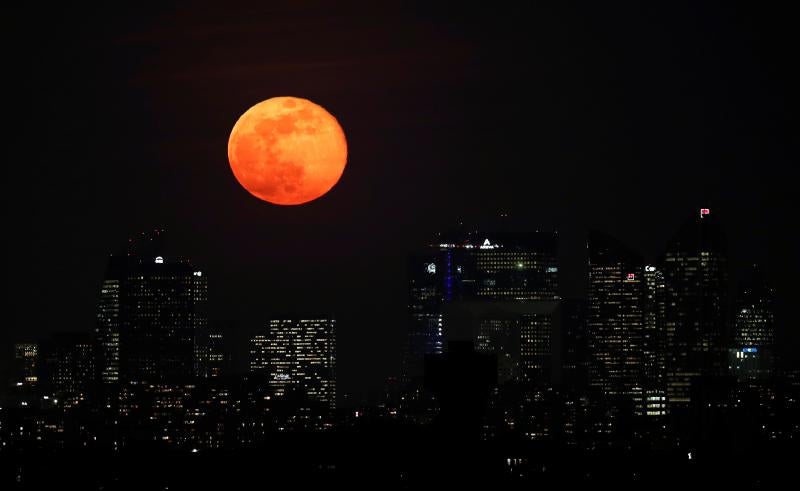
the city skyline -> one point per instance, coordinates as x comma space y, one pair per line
408, 245
497, 367
145, 252
551, 114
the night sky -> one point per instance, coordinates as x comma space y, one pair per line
624, 118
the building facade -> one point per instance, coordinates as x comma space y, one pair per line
26, 364
615, 322
298, 355
752, 355
150, 310
696, 292
502, 262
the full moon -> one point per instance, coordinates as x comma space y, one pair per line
287, 150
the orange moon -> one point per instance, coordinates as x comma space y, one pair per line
287, 150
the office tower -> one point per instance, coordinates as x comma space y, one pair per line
696, 283
513, 266
615, 318
575, 348
211, 357
514, 273
521, 334
654, 343
503, 262
522, 341
298, 354
538, 345
151, 306
425, 334
503, 338
259, 353
107, 331
26, 360
72, 367
752, 356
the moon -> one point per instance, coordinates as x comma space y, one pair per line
287, 150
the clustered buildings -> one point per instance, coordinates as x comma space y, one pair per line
655, 350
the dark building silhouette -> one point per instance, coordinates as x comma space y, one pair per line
151, 308
696, 283
523, 335
70, 359
462, 379
575, 347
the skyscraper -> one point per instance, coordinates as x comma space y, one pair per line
298, 354
654, 343
521, 334
150, 310
615, 322
575, 348
107, 330
211, 357
26, 361
696, 283
425, 335
72, 367
752, 356
502, 262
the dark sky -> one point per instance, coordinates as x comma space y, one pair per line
623, 118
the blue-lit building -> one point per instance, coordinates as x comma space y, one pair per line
500, 263
425, 296
752, 355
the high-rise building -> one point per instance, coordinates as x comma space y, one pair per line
654, 343
72, 367
575, 348
500, 263
625, 328
298, 354
26, 361
522, 343
696, 284
211, 356
425, 336
752, 356
107, 330
150, 309
615, 320
503, 338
